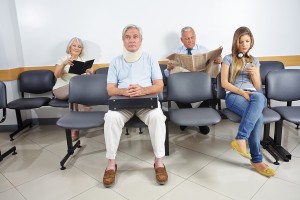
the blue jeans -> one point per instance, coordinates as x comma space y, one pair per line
251, 123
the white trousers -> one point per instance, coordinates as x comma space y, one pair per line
153, 118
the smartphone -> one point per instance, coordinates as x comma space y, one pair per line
248, 65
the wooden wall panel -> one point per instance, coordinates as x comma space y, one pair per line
12, 74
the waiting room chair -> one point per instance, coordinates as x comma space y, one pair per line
135, 122
190, 88
283, 86
86, 90
55, 102
270, 116
102, 70
164, 96
3, 100
265, 68
31, 82
3, 104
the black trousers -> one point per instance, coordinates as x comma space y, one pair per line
207, 103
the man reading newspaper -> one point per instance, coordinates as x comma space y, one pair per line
196, 62
193, 57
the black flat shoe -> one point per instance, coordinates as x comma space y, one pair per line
204, 130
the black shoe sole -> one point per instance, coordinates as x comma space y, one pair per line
204, 130
182, 128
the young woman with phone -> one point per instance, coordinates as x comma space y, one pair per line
240, 77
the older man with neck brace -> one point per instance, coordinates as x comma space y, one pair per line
133, 74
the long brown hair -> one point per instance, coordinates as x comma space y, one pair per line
238, 64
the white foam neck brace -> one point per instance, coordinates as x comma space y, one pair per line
132, 56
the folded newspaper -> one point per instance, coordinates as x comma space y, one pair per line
196, 62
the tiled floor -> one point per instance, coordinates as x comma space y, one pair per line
199, 166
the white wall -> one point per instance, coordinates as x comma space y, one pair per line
11, 55
47, 25
36, 32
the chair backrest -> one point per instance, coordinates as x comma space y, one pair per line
3, 100
189, 87
88, 90
267, 66
220, 92
283, 85
102, 70
36, 81
162, 68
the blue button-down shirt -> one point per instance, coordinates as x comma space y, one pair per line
143, 72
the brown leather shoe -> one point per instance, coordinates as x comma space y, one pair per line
161, 175
109, 177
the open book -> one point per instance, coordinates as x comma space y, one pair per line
196, 62
80, 67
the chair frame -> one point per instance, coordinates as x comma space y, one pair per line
191, 87
36, 78
96, 95
265, 68
281, 86
3, 105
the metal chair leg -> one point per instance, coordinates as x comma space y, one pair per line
12, 151
71, 148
